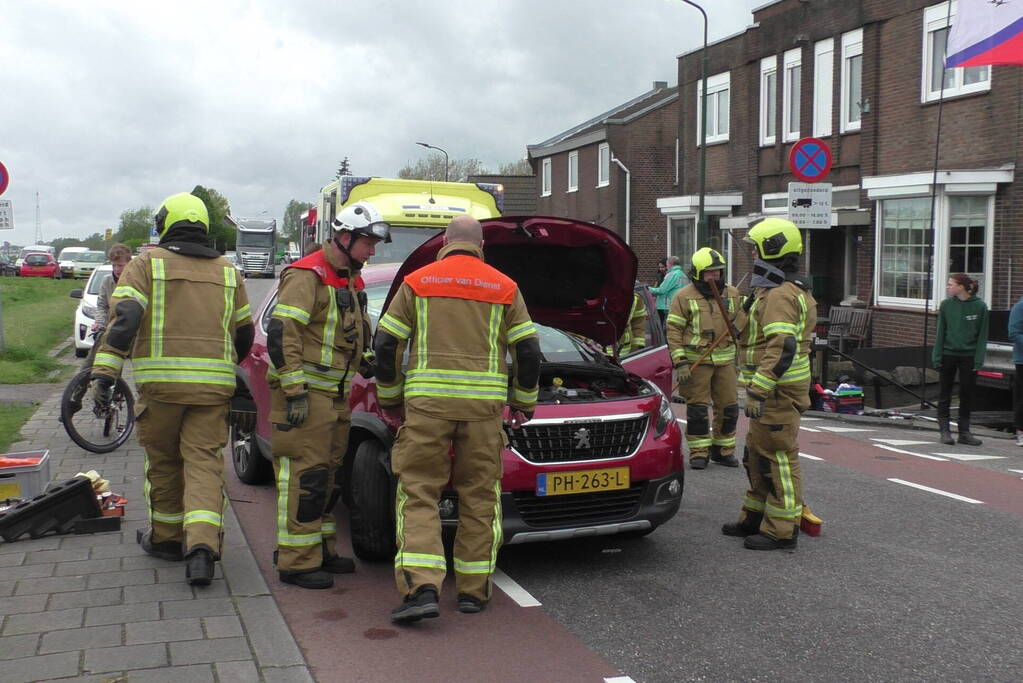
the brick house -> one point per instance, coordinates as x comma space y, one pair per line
611, 169
865, 76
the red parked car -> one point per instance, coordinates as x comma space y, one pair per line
39, 264
603, 452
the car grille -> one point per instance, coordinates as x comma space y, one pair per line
255, 261
578, 508
572, 442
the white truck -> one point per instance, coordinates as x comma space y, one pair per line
256, 246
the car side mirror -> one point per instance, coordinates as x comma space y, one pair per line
75, 294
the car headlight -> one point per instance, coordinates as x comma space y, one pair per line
665, 416
89, 311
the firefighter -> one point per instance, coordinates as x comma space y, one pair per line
316, 340
459, 318
695, 322
634, 337
776, 372
182, 315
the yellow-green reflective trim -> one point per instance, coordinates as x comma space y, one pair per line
393, 391
198, 378
694, 321
109, 360
299, 540
751, 338
329, 331
763, 382
496, 527
400, 498
724, 441
420, 560
493, 330
293, 312
328, 529
780, 328
204, 516
287, 379
524, 396
422, 314
521, 331
785, 474
129, 292
447, 391
283, 476
481, 567
159, 300
183, 363
678, 353
167, 518
779, 513
753, 504
395, 327
676, 318
702, 442
242, 313
228, 311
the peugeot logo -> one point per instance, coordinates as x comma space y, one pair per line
582, 438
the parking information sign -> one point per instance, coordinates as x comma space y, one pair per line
6, 214
810, 205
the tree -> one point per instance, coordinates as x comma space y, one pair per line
520, 167
432, 168
95, 242
135, 226
61, 242
343, 169
222, 236
292, 226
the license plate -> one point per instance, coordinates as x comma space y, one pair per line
584, 481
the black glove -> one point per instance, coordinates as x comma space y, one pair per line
102, 390
298, 409
754, 403
243, 408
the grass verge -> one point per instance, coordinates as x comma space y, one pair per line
37, 315
12, 417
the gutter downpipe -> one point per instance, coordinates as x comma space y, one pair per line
628, 199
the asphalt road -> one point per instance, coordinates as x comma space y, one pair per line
905, 583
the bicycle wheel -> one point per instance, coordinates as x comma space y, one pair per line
96, 429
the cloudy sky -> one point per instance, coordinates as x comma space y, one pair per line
107, 105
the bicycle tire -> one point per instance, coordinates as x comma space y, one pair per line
124, 402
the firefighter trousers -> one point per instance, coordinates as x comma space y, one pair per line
711, 386
184, 468
421, 458
307, 465
771, 459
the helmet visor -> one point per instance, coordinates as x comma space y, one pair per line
379, 229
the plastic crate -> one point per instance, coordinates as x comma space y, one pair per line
25, 481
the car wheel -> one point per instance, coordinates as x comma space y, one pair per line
372, 493
249, 463
81, 353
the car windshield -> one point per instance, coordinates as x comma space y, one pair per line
36, 260
262, 240
96, 281
91, 257
69, 254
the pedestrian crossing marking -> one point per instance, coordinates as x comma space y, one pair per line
956, 496
808, 429
971, 456
846, 429
811, 419
919, 455
900, 442
809, 457
1020, 471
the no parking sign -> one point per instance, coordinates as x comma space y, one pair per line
4, 178
810, 160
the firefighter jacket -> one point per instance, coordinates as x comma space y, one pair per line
460, 319
776, 338
183, 343
634, 337
694, 322
319, 327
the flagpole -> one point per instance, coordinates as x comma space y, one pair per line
934, 201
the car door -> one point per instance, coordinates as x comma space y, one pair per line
653, 361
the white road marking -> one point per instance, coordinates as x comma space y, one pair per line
970, 456
811, 419
938, 491
513, 590
842, 430
1020, 471
808, 429
680, 420
809, 457
619, 679
900, 442
899, 450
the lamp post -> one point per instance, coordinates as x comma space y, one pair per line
423, 144
701, 220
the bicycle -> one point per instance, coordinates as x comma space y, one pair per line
95, 427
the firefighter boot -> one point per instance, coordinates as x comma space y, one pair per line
944, 432
765, 542
726, 460
336, 564
748, 526
964, 433
199, 567
420, 605
168, 550
316, 579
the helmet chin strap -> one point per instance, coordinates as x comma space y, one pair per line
352, 262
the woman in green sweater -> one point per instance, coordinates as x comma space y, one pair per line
959, 347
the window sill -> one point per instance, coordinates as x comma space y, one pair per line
600, 185
956, 96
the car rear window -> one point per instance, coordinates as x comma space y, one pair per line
36, 260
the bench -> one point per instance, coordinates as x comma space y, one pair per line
849, 324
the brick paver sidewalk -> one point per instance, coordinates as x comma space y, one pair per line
96, 606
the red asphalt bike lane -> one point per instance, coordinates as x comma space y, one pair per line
346, 633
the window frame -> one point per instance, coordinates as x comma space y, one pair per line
792, 60
545, 177
716, 85
935, 18
604, 164
768, 68
823, 97
852, 46
573, 171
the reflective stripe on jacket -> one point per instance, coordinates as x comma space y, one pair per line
694, 322
776, 340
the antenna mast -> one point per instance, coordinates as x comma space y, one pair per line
39, 226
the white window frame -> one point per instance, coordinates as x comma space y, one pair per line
793, 60
768, 67
573, 171
940, 249
678, 161
936, 19
604, 165
823, 86
545, 177
716, 84
852, 46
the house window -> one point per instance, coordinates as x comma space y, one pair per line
768, 100
958, 81
852, 73
573, 171
717, 108
823, 80
793, 76
545, 178
603, 165
905, 247
967, 228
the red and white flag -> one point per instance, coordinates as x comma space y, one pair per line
986, 32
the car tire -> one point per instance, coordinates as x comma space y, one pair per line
371, 511
249, 464
81, 353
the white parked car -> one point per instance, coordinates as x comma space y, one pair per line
67, 259
85, 314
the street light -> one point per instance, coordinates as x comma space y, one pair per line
423, 144
701, 221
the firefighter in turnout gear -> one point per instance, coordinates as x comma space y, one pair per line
181, 314
695, 322
459, 318
634, 337
775, 365
316, 340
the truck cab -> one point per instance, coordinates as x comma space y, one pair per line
256, 246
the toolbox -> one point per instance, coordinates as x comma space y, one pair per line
24, 481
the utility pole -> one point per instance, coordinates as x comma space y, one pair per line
39, 226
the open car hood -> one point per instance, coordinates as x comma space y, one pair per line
575, 276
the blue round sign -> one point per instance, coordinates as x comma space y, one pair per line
810, 160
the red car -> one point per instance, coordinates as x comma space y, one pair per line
603, 452
40, 264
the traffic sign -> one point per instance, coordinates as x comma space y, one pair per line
5, 177
810, 160
810, 205
6, 215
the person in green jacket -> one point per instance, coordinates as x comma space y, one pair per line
673, 281
959, 347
